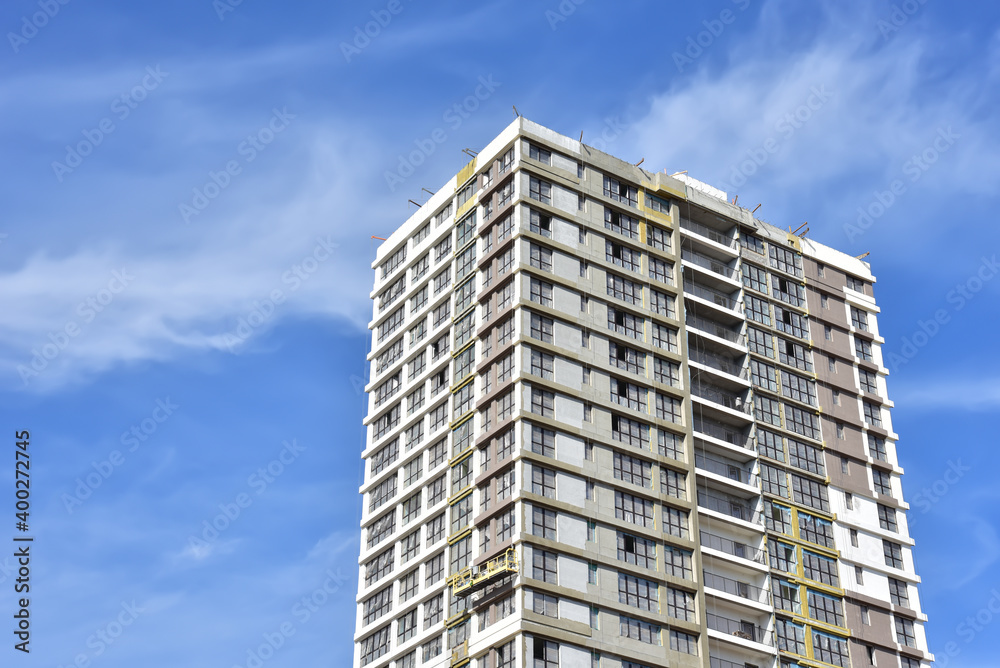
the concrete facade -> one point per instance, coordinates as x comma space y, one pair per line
615, 421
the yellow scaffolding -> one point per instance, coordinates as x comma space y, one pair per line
472, 578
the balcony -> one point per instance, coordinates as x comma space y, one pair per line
740, 629
719, 396
722, 432
731, 547
708, 233
736, 588
717, 362
706, 262
716, 662
729, 505
713, 296
713, 328
727, 468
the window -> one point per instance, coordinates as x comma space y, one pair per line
437, 454
421, 266
623, 256
887, 518
657, 204
661, 270
855, 284
781, 555
794, 354
384, 457
825, 608
543, 403
545, 654
624, 289
873, 413
893, 553
543, 441
754, 278
791, 636
387, 358
798, 388
767, 410
621, 192
787, 291
859, 319
628, 395
637, 629
662, 303
636, 550
433, 611
868, 381
668, 408
406, 627
379, 567
831, 649
665, 337
507, 160
752, 242
758, 310
431, 648
409, 546
763, 375
809, 492
638, 593
621, 223
625, 323
769, 444
680, 604
381, 529
658, 238
806, 457
539, 223
904, 632
545, 604
540, 190
824, 301
801, 421
627, 359
541, 328
408, 661
435, 529
377, 605
876, 448
778, 518
882, 481
629, 431
634, 509
786, 595
675, 522
791, 322
820, 568
544, 566
863, 349
543, 482
391, 294
540, 257
899, 593
760, 342
785, 260
382, 493
376, 645
411, 508
632, 470
773, 480
543, 522
540, 292
392, 264
435, 491
540, 154
442, 280
677, 562
434, 570
391, 324
815, 529
667, 372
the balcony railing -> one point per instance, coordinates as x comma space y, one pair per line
723, 364
725, 467
716, 662
708, 263
736, 587
708, 233
722, 432
719, 396
740, 629
713, 328
741, 550
728, 505
714, 296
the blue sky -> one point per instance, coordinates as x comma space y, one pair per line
198, 266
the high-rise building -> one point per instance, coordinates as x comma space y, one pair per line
614, 420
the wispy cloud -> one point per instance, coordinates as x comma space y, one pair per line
970, 394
